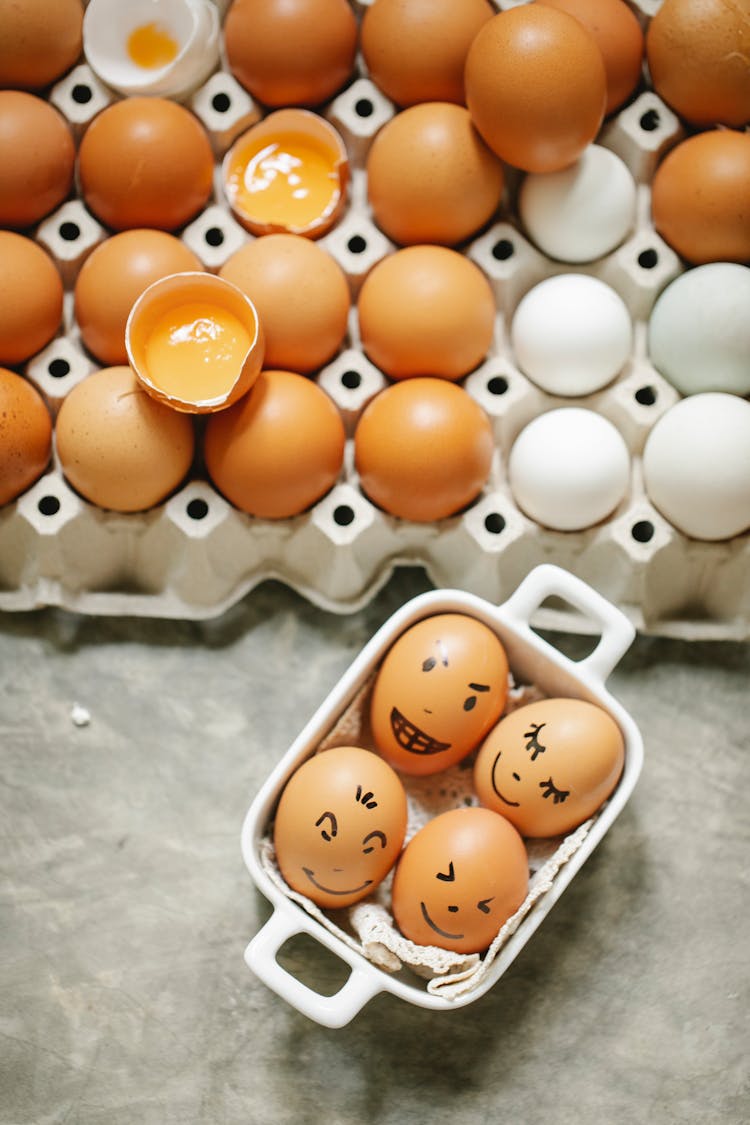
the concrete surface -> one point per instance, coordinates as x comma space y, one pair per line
126, 906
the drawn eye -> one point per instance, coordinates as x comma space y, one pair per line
373, 836
484, 905
429, 664
550, 790
332, 825
470, 703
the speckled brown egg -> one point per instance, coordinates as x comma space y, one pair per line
301, 294
118, 447
37, 156
31, 298
536, 87
698, 52
423, 449
39, 41
431, 177
426, 310
415, 50
145, 162
114, 276
291, 52
25, 435
700, 197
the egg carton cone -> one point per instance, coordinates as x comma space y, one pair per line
195, 555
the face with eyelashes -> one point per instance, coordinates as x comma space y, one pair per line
439, 690
340, 825
459, 879
550, 765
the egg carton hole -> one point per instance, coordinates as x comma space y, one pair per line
197, 509
48, 505
81, 93
503, 250
648, 259
643, 531
364, 107
214, 237
357, 244
58, 368
221, 102
351, 379
343, 515
69, 231
650, 120
646, 396
498, 385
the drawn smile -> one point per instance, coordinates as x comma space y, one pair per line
513, 804
329, 890
411, 738
433, 926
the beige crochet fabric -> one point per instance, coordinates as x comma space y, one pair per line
368, 926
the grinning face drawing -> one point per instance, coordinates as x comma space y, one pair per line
459, 879
549, 765
340, 825
439, 690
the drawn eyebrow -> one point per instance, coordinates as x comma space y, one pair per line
367, 799
479, 687
334, 825
371, 836
449, 878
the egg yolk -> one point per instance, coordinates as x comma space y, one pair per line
151, 46
195, 351
289, 182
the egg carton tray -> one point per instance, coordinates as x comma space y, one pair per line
195, 555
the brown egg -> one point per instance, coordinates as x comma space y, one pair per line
700, 197
114, 276
31, 298
117, 446
697, 53
536, 87
431, 177
301, 294
145, 162
459, 879
618, 36
37, 156
291, 52
340, 825
415, 50
39, 41
25, 435
549, 765
426, 310
441, 687
279, 449
423, 449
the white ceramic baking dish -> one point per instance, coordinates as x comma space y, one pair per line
532, 660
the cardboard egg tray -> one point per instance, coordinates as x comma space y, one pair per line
195, 555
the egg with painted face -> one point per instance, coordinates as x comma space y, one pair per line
439, 690
459, 879
549, 765
340, 825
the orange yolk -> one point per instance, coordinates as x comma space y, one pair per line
151, 46
290, 182
195, 352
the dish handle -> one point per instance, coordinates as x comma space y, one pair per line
617, 630
330, 1011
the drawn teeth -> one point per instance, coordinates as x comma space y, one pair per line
411, 738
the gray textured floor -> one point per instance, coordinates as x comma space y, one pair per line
126, 906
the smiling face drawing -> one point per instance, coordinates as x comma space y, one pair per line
459, 879
439, 690
340, 825
549, 765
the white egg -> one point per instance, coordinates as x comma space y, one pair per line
696, 465
569, 468
581, 212
163, 48
699, 330
571, 334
